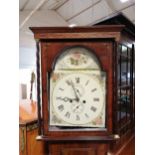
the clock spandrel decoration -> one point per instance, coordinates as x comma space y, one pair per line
77, 88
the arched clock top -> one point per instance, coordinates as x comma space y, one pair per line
76, 58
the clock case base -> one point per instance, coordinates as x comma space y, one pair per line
95, 145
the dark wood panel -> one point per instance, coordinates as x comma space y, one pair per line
78, 149
77, 32
128, 149
105, 28
28, 132
34, 147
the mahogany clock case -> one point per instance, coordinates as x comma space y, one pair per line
107, 44
52, 51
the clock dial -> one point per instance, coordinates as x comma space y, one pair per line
78, 99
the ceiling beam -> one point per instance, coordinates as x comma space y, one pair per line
114, 12
56, 8
43, 4
31, 13
23, 7
53, 4
77, 14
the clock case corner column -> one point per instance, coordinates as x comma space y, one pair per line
38, 71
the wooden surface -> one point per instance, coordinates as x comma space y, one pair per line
129, 149
78, 149
112, 31
71, 30
28, 145
52, 41
27, 111
28, 129
103, 51
34, 147
38, 147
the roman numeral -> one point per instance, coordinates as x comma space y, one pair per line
68, 82
61, 107
61, 89
86, 115
96, 99
67, 114
93, 90
93, 109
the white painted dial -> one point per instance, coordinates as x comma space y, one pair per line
78, 99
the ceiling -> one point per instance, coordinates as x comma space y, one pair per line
63, 13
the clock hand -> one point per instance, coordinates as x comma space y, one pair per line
78, 92
77, 106
77, 98
66, 99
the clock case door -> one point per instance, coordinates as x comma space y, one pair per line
79, 106
106, 47
48, 47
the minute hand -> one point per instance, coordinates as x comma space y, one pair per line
72, 84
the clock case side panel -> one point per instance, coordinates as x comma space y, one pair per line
115, 88
45, 89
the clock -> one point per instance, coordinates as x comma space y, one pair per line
76, 87
77, 90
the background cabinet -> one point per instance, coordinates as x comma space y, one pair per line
124, 117
28, 131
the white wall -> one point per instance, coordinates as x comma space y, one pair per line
27, 49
